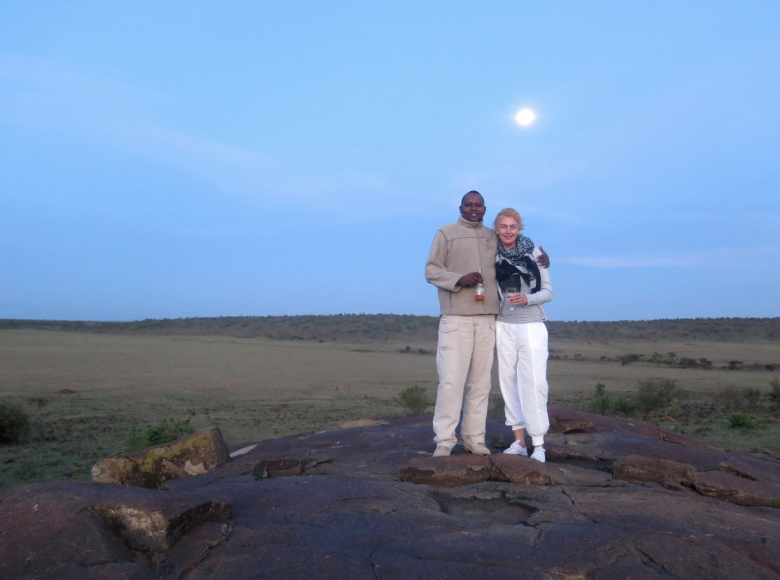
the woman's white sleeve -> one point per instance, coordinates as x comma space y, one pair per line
545, 293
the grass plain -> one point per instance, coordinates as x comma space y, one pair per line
84, 387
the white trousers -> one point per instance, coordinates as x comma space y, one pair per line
522, 374
464, 358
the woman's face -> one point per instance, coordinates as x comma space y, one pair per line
507, 229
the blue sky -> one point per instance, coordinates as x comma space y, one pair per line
189, 159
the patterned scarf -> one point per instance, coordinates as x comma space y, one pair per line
512, 264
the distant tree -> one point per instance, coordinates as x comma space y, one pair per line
627, 359
735, 365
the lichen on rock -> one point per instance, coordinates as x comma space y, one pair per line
190, 455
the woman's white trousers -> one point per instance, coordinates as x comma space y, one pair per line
522, 374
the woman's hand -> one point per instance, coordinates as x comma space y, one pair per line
518, 299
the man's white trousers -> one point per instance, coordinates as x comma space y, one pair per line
522, 375
464, 357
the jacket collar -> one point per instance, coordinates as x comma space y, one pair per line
466, 223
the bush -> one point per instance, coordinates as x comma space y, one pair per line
602, 402
774, 394
605, 404
732, 397
14, 423
168, 430
741, 420
414, 399
735, 365
624, 406
655, 395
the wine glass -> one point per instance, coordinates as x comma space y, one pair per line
509, 291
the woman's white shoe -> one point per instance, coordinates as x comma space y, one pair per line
538, 454
516, 449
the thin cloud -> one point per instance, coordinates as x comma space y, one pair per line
42, 95
39, 94
698, 259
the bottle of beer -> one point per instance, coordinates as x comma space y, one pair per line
479, 294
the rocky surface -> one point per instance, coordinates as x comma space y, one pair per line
190, 455
616, 499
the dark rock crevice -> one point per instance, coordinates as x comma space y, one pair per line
373, 565
649, 562
565, 492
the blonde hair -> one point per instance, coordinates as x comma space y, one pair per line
510, 213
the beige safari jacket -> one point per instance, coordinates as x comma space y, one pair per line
459, 249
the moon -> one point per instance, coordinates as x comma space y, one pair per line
525, 117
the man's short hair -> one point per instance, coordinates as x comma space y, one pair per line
472, 192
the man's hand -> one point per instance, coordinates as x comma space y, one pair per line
470, 280
544, 259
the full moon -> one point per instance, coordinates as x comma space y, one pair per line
525, 117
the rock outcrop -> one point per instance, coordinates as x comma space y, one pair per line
155, 523
670, 474
452, 471
194, 454
616, 499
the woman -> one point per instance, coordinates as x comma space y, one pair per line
521, 336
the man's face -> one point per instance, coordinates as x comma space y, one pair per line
473, 208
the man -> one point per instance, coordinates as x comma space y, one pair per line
462, 256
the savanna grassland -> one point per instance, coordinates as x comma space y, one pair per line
85, 386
